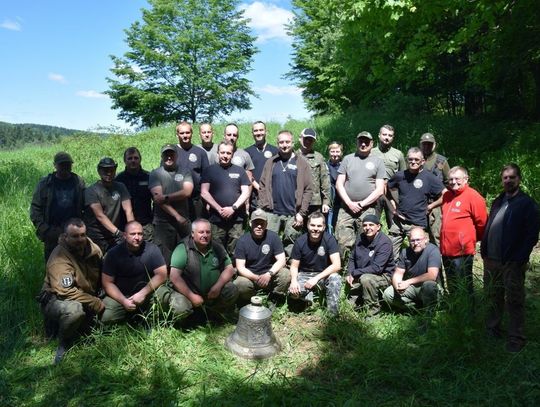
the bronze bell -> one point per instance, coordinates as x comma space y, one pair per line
253, 337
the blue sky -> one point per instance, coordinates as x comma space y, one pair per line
55, 58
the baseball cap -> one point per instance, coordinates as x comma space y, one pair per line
62, 157
365, 134
427, 138
372, 219
168, 147
107, 162
259, 214
309, 133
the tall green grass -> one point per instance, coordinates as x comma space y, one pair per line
347, 361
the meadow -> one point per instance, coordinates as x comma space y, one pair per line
341, 362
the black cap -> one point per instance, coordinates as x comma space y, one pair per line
309, 133
168, 147
107, 162
372, 219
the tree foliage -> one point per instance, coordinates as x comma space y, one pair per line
187, 60
455, 56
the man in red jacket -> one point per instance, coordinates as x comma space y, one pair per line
464, 216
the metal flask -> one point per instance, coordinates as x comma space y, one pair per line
253, 337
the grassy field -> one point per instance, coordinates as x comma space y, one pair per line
342, 362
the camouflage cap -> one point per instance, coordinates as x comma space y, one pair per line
427, 138
259, 214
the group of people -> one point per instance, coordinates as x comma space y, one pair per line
177, 236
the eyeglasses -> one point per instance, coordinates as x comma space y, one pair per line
415, 241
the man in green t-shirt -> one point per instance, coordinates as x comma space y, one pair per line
201, 274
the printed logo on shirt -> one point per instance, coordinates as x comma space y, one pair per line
371, 253
267, 154
214, 262
321, 251
292, 166
234, 175
458, 204
178, 177
143, 183
418, 183
370, 166
192, 157
237, 161
67, 281
265, 249
115, 196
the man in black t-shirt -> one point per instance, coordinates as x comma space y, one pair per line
132, 272
414, 188
316, 262
260, 260
135, 178
225, 187
416, 280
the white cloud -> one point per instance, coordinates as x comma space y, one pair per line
267, 20
92, 94
281, 90
56, 77
11, 25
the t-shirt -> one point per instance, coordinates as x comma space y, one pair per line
196, 159
110, 199
225, 188
361, 173
64, 201
141, 198
242, 159
314, 257
284, 175
209, 267
132, 271
415, 190
170, 182
415, 265
259, 157
259, 254
393, 159
211, 153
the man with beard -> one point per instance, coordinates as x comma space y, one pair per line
105, 200
171, 187
315, 264
260, 261
132, 272
69, 297
511, 234
285, 191
225, 187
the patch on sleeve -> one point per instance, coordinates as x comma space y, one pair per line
67, 281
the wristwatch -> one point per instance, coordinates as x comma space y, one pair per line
235, 208
272, 273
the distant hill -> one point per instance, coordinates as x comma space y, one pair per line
17, 135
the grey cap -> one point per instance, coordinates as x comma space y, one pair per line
107, 162
259, 214
365, 134
62, 157
309, 133
427, 138
168, 147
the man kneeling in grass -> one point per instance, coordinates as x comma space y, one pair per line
201, 274
132, 272
315, 262
416, 280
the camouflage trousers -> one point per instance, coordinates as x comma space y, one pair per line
435, 217
181, 306
425, 295
228, 234
279, 284
331, 284
283, 226
367, 291
71, 317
